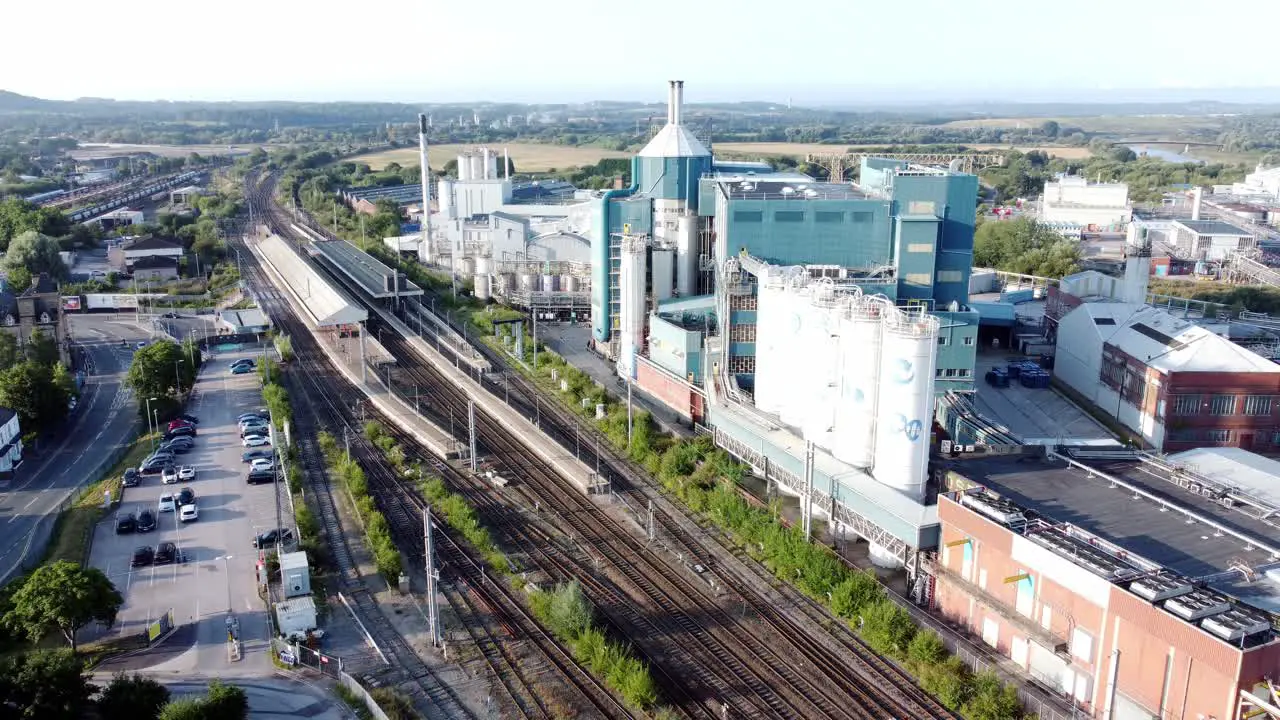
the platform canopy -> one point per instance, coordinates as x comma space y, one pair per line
327, 305
373, 276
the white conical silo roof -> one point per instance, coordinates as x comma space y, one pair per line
674, 141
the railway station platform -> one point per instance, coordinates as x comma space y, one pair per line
318, 301
582, 476
374, 277
345, 354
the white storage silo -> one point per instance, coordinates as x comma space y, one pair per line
818, 378
687, 254
904, 416
570, 283
662, 273
506, 283
860, 332
482, 287
444, 197
466, 266
464, 166
768, 333
802, 326
631, 313
550, 283
476, 161
530, 282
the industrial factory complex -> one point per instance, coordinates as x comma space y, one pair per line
830, 336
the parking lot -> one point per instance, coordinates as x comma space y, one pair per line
217, 565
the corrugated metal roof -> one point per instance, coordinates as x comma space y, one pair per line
327, 305
1212, 227
674, 141
1235, 466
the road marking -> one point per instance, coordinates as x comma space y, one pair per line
34, 499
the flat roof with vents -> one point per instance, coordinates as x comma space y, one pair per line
753, 189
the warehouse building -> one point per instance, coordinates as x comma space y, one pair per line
1209, 239
1137, 588
1173, 383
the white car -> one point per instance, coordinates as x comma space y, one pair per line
167, 503
188, 513
169, 475
187, 472
255, 441
261, 464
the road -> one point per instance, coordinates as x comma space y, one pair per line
104, 420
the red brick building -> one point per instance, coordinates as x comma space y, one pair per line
1132, 609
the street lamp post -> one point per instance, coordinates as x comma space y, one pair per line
151, 430
226, 564
177, 374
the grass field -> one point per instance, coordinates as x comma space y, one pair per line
802, 149
1124, 124
92, 151
527, 157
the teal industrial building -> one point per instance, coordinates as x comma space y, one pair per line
677, 311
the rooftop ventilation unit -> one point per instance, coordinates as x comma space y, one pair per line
1156, 588
1237, 623
996, 508
1084, 554
788, 190
810, 192
1198, 604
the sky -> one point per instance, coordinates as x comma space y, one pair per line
813, 51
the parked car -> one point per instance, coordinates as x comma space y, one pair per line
257, 454
169, 475
261, 464
242, 369
186, 496
188, 513
170, 315
142, 556
177, 448
157, 465
166, 503
146, 521
126, 523
187, 430
131, 477
255, 430
248, 416
187, 472
166, 553
175, 424
255, 441
270, 537
244, 361
141, 344
190, 418
261, 476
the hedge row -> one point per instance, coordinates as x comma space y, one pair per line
377, 532
566, 612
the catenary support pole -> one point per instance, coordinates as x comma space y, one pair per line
471, 423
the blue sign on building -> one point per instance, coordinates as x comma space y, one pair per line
407, 228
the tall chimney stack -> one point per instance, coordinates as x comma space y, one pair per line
679, 100
1197, 196
506, 165
424, 248
671, 102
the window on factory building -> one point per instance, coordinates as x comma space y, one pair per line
1186, 404
788, 216
748, 216
939, 372
949, 275
828, 216
1082, 645
1257, 405
951, 372
969, 340
862, 217
1222, 405
920, 247
963, 372
942, 339
1218, 436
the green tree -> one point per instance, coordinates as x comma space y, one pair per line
19, 279
31, 391
159, 369
887, 627
1049, 128
42, 348
1024, 246
10, 352
134, 697
62, 596
184, 709
46, 685
19, 216
36, 253
225, 702
991, 700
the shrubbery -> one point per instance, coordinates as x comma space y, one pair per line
385, 555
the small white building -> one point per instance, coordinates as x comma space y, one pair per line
296, 616
1209, 239
10, 443
1259, 184
122, 257
1070, 200
120, 218
295, 574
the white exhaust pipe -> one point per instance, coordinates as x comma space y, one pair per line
671, 102
679, 101
424, 248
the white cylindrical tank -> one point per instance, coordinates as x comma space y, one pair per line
570, 283
631, 313
662, 273
484, 265
444, 198
550, 283
768, 339
855, 416
882, 557
506, 283
904, 416
530, 282
464, 166
467, 266
819, 375
687, 254
477, 166
482, 286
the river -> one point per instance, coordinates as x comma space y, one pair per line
1160, 151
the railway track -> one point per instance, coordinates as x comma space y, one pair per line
331, 397
722, 654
